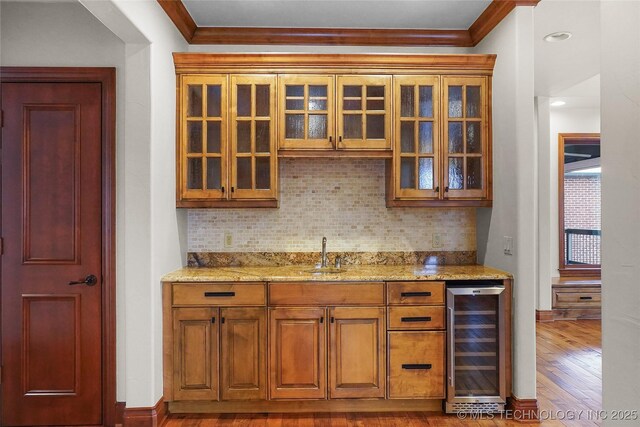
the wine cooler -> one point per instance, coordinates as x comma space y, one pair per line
476, 379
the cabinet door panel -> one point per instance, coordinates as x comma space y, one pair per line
466, 137
357, 352
417, 137
195, 360
307, 112
297, 353
364, 112
202, 138
243, 361
253, 137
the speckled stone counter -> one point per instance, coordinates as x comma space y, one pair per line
355, 273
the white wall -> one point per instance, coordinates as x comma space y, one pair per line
155, 240
620, 107
515, 186
551, 122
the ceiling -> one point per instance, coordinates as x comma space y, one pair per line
571, 68
412, 14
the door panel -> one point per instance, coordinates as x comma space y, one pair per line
243, 353
51, 225
357, 352
297, 353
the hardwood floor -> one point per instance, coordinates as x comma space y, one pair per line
569, 380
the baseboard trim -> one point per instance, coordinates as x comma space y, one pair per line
120, 407
544, 315
523, 410
146, 417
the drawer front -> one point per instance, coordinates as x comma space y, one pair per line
415, 293
576, 299
416, 317
314, 293
219, 294
416, 365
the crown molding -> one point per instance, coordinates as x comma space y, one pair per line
487, 21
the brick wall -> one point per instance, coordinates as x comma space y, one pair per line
342, 199
582, 211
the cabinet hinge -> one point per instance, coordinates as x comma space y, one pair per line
0, 374
1, 246
1, 118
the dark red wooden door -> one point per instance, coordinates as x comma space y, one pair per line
51, 226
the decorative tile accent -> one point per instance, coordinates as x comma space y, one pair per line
342, 199
243, 259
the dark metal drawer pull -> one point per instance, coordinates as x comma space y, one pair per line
417, 366
415, 319
586, 297
415, 294
219, 294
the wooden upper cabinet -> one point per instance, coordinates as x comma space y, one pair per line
195, 353
364, 112
417, 137
243, 353
465, 108
306, 111
202, 141
254, 160
357, 352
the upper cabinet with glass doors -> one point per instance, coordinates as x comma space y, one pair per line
227, 141
441, 151
310, 118
429, 116
466, 136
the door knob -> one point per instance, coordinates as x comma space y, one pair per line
90, 280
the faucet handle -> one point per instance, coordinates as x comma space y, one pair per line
338, 263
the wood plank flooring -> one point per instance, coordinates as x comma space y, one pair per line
569, 380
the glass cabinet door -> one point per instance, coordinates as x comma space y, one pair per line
417, 137
465, 136
364, 112
306, 112
253, 149
203, 141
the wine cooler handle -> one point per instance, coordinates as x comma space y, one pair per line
452, 350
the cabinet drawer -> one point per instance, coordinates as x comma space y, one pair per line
416, 365
416, 317
219, 294
313, 293
414, 293
576, 299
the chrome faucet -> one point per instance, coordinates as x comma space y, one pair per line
325, 260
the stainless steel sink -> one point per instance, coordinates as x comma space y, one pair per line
324, 270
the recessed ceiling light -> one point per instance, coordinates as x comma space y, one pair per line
557, 103
557, 37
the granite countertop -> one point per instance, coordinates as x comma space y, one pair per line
353, 273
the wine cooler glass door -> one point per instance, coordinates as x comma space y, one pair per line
476, 344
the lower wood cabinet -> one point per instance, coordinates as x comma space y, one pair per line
219, 353
357, 352
243, 353
297, 353
195, 353
416, 365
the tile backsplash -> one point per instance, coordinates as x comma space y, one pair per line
342, 199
